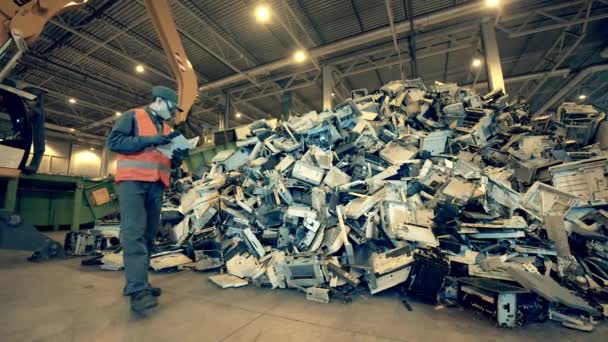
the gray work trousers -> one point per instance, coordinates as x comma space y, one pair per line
139, 222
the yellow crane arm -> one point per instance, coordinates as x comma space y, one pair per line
24, 20
187, 86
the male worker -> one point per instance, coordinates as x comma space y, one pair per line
142, 173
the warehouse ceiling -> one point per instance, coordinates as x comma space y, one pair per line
90, 55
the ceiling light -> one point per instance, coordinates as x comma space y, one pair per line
117, 113
238, 114
139, 68
262, 14
476, 63
72, 130
72, 100
333, 94
92, 149
299, 56
492, 3
75, 3
582, 96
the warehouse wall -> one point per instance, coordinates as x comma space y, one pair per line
85, 162
56, 157
111, 163
66, 157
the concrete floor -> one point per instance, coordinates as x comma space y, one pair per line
62, 301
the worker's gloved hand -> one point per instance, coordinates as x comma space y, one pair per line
178, 156
158, 139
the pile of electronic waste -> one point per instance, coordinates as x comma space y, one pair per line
448, 196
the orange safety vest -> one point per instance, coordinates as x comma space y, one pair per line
149, 165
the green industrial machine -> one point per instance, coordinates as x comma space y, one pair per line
56, 200
50, 200
202, 156
46, 200
225, 140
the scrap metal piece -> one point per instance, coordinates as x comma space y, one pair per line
303, 270
515, 222
466, 169
497, 273
542, 199
392, 260
361, 205
335, 177
319, 202
204, 218
556, 231
397, 153
321, 137
244, 266
459, 190
226, 281
435, 142
282, 191
236, 160
550, 290
254, 243
571, 322
585, 179
206, 263
179, 232
395, 217
222, 156
484, 129
324, 159
275, 270
348, 247
380, 283
283, 238
581, 121
112, 262
427, 275
500, 299
307, 173
317, 294
499, 198
499, 235
332, 240
300, 211
312, 226
164, 261
81, 243
342, 274
285, 163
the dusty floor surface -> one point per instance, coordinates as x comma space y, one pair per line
63, 301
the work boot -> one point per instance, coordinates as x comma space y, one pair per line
142, 301
155, 291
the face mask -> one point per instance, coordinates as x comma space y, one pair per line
163, 111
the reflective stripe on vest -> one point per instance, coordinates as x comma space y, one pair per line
149, 165
143, 165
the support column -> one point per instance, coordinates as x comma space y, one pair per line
328, 87
104, 160
78, 190
10, 198
70, 148
492, 56
286, 104
412, 40
226, 114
